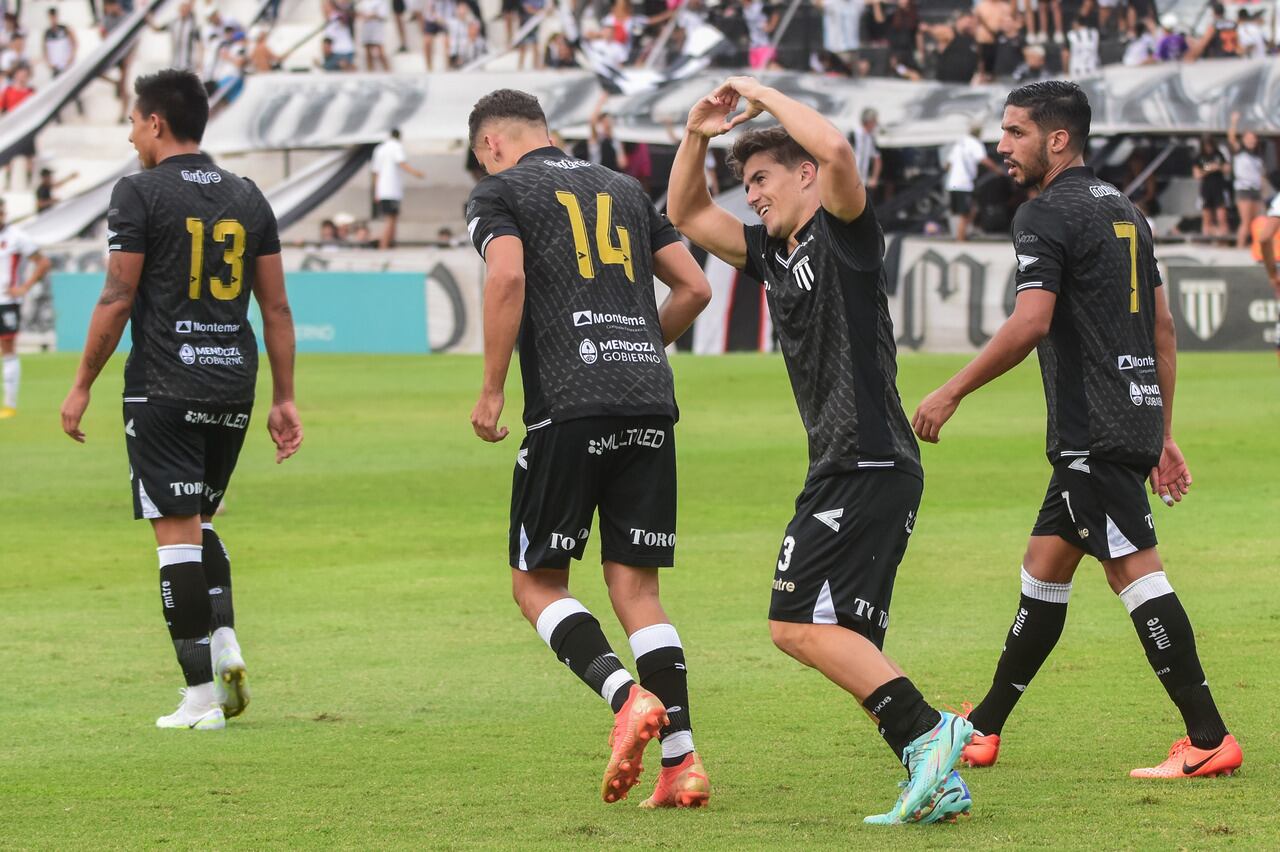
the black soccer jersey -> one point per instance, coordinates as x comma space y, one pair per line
830, 312
590, 343
1085, 241
202, 229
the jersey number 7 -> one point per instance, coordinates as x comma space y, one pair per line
1129, 231
232, 256
609, 253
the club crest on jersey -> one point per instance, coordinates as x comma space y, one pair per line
803, 274
587, 351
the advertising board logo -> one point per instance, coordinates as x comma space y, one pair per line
1204, 306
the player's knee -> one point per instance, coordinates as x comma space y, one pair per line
789, 638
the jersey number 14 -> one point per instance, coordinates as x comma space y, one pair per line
609, 253
230, 233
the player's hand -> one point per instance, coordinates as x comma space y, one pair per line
743, 87
1171, 479
285, 427
73, 408
933, 413
484, 417
710, 115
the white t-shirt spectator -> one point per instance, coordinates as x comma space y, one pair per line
1252, 39
335, 29
962, 164
373, 21
1083, 44
1141, 50
388, 182
755, 17
840, 22
15, 247
1246, 170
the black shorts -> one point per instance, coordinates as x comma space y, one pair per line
1213, 197
388, 207
1099, 506
10, 320
841, 552
624, 466
432, 28
398, 7
181, 455
961, 203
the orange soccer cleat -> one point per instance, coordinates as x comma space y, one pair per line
1187, 761
682, 786
636, 723
983, 749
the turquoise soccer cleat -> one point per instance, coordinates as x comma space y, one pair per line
929, 759
954, 801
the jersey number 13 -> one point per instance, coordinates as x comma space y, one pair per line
230, 233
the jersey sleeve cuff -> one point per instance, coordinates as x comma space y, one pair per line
496, 232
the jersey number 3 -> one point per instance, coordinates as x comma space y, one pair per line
1129, 232
609, 253
232, 256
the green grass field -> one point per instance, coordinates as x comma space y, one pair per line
401, 702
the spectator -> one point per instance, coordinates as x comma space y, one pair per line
18, 90
600, 147
46, 187
1250, 34
466, 38
434, 14
1142, 49
445, 238
1083, 39
338, 28
991, 16
904, 31
373, 15
1032, 69
331, 61
388, 185
329, 236
616, 38
761, 21
233, 56
841, 20
14, 52
957, 50
1211, 169
184, 38
343, 223
962, 162
361, 237
261, 58
1173, 44
639, 164
1220, 38
510, 14
1246, 175
1009, 55
60, 47
1141, 12
210, 38
528, 44
1040, 34
559, 53
865, 152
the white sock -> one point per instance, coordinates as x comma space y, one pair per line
12, 374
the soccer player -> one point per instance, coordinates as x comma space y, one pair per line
1267, 246
571, 250
188, 243
16, 248
819, 252
1089, 297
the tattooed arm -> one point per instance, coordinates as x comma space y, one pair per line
124, 269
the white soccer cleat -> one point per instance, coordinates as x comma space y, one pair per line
197, 712
230, 678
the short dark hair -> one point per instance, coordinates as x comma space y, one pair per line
179, 98
774, 141
395, 133
1056, 105
504, 103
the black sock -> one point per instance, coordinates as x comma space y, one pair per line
660, 665
575, 637
217, 573
184, 596
1042, 612
901, 713
1170, 643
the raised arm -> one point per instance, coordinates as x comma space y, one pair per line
283, 423
689, 204
124, 270
839, 185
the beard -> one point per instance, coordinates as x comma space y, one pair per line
1034, 172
